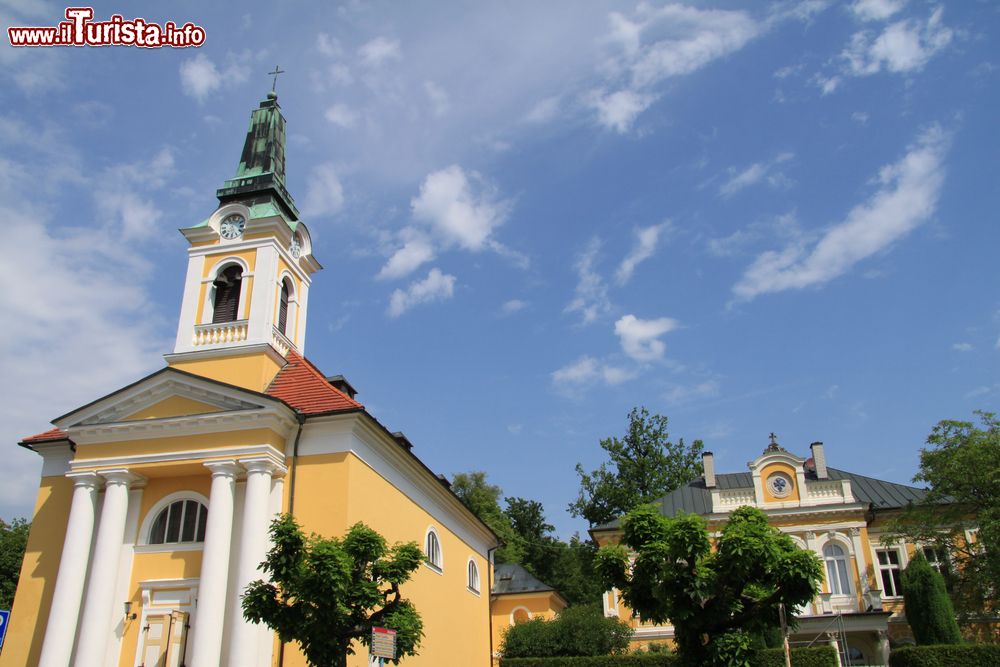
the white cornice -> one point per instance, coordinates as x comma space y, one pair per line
229, 351
279, 420
268, 451
253, 244
793, 512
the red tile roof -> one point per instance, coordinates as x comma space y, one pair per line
302, 386
51, 435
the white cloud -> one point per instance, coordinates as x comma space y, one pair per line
963, 347
876, 10
328, 46
450, 203
439, 99
342, 115
754, 174
907, 196
683, 394
658, 43
513, 306
122, 196
904, 46
199, 77
456, 209
324, 192
417, 250
645, 245
544, 111
436, 286
640, 339
587, 370
591, 296
379, 51
618, 110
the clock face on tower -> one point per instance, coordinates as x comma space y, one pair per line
296, 246
232, 226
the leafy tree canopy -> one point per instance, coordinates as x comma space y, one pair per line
576, 631
642, 466
483, 500
962, 466
326, 593
529, 540
13, 540
720, 601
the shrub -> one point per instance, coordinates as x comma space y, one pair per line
576, 631
823, 656
928, 608
946, 655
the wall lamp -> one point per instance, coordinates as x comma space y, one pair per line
129, 614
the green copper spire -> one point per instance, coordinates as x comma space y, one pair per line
260, 177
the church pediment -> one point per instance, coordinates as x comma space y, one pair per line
168, 393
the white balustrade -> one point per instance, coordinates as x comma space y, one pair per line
220, 333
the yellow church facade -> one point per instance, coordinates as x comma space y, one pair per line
840, 516
154, 502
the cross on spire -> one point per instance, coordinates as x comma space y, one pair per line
774, 438
276, 72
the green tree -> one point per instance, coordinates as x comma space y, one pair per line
483, 500
643, 466
720, 601
928, 607
962, 466
326, 593
13, 540
576, 631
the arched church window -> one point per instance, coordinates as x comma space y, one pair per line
473, 576
227, 294
180, 521
432, 550
836, 569
283, 309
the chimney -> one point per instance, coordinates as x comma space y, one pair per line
819, 460
341, 384
708, 464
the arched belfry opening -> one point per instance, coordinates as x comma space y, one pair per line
227, 294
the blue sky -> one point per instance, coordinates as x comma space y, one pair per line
748, 217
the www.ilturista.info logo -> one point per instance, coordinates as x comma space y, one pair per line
79, 29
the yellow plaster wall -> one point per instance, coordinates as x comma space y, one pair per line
205, 441
175, 406
789, 470
252, 371
334, 491
30, 612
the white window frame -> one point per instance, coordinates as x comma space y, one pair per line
900, 566
472, 570
142, 544
845, 559
436, 565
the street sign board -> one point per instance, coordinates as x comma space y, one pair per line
384, 643
4, 618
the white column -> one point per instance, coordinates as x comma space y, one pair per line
859, 557
883, 646
253, 548
57, 647
211, 609
96, 622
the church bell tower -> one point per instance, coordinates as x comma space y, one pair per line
249, 268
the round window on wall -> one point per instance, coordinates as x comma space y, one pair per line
780, 485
